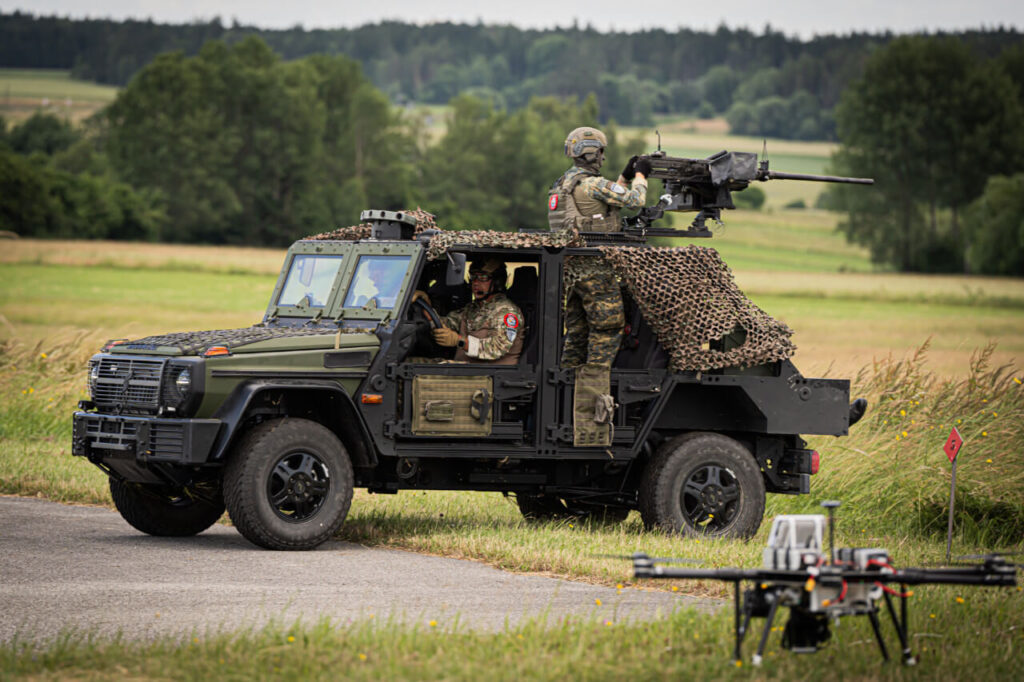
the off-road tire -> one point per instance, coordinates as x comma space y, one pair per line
703, 463
158, 511
274, 464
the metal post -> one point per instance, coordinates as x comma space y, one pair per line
952, 495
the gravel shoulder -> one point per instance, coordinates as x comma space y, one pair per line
83, 568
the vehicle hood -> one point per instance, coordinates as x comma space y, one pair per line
248, 339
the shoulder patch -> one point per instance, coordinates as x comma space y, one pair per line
511, 321
616, 187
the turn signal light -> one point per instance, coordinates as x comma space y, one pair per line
216, 350
815, 461
372, 399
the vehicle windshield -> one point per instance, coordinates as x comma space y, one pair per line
309, 281
377, 282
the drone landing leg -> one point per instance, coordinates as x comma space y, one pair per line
873, 617
767, 629
741, 630
901, 627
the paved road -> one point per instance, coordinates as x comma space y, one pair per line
85, 568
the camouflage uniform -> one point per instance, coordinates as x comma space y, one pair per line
493, 329
594, 319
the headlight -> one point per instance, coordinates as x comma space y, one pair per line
94, 375
184, 381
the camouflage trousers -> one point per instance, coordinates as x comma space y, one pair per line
594, 321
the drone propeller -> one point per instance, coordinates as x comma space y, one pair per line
653, 560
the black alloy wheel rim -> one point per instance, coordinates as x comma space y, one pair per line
709, 498
298, 486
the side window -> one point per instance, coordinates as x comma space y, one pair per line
376, 282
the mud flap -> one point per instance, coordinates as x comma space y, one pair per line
593, 407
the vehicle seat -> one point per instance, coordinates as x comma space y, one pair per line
523, 293
640, 348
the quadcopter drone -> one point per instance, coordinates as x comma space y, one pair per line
819, 588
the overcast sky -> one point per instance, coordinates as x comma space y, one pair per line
794, 17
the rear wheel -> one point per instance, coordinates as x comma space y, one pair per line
288, 484
164, 512
703, 484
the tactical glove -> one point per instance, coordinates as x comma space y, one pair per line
629, 172
446, 337
643, 166
419, 295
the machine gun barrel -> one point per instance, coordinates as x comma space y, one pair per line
782, 175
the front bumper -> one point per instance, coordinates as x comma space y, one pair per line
131, 446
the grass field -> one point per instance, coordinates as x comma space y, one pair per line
25, 91
60, 300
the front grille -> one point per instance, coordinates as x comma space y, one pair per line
128, 384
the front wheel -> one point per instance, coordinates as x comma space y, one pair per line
161, 511
288, 484
703, 484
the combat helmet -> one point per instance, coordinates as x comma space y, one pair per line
585, 141
493, 268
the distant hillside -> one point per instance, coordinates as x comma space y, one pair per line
634, 75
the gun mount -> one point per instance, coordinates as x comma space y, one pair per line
706, 186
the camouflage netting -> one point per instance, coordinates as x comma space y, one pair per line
689, 297
442, 241
424, 221
191, 343
687, 294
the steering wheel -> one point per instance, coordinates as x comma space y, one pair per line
435, 319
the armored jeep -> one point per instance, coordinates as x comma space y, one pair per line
341, 387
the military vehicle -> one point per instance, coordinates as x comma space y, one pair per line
341, 387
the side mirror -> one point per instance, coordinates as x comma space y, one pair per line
455, 274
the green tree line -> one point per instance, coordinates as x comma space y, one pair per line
942, 133
237, 146
765, 83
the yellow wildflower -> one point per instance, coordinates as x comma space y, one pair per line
984, 433
931, 615
959, 600
903, 413
362, 657
995, 414
619, 586
42, 356
988, 461
291, 638
597, 601
608, 623
433, 623
1017, 381
905, 434
675, 588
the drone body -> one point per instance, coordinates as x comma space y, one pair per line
820, 587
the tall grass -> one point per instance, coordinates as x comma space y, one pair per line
893, 464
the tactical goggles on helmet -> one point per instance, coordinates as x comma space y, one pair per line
479, 277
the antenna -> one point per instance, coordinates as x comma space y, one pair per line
656, 132
831, 505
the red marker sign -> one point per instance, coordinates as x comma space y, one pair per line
952, 446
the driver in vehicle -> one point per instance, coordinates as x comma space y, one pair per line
490, 328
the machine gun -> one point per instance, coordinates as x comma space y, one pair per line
819, 588
706, 186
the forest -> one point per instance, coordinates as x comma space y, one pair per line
244, 143
765, 83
